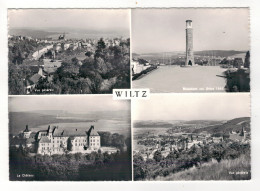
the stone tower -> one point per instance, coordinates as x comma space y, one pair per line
189, 44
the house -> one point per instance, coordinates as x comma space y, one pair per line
33, 80
217, 139
25, 139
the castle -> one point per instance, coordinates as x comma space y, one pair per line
57, 140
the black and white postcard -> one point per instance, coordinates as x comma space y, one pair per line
69, 138
129, 95
191, 50
192, 137
68, 51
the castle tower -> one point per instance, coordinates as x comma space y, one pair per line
189, 44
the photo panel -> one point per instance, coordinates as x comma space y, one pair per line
68, 51
69, 138
181, 50
192, 137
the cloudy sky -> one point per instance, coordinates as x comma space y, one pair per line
163, 30
94, 19
187, 106
76, 104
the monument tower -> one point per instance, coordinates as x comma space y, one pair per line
189, 44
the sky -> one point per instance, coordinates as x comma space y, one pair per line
93, 19
72, 104
163, 30
207, 106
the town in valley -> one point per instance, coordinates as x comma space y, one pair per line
51, 56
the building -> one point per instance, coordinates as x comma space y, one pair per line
37, 54
33, 80
26, 133
57, 140
239, 136
93, 139
189, 44
62, 37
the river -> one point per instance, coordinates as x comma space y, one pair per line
177, 79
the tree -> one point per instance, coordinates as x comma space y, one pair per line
247, 60
88, 54
157, 156
101, 44
140, 169
69, 144
105, 138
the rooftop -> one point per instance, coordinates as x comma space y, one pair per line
35, 78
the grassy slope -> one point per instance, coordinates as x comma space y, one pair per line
215, 171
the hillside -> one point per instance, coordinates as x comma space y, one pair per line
158, 124
216, 171
222, 53
31, 32
174, 123
18, 120
158, 55
231, 125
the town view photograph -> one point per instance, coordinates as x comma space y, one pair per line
192, 137
68, 51
75, 138
191, 50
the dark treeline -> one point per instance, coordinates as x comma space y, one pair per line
113, 140
180, 160
94, 166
